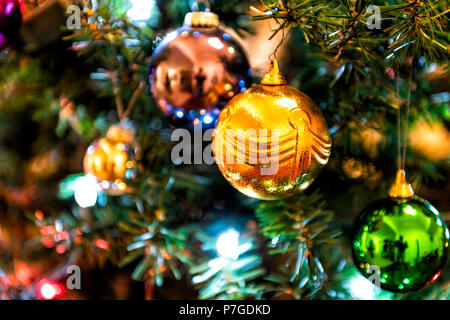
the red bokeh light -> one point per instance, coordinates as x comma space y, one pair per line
49, 290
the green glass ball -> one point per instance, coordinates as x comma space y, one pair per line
405, 238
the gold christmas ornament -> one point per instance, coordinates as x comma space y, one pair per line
271, 141
431, 138
111, 159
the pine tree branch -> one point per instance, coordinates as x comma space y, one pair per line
136, 94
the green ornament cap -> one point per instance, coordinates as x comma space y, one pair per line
401, 189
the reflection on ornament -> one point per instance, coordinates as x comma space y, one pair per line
431, 139
45, 164
112, 159
86, 189
272, 140
196, 69
404, 236
10, 21
371, 138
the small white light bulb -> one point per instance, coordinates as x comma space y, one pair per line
362, 288
86, 189
141, 10
228, 244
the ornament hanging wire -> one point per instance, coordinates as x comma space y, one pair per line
399, 142
402, 137
273, 55
195, 6
408, 104
123, 113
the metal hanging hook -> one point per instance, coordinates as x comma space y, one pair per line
200, 19
273, 55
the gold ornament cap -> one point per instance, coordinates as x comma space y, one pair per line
274, 76
401, 189
123, 132
201, 19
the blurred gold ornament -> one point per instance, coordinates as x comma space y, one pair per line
67, 108
45, 164
271, 141
431, 139
369, 135
357, 169
354, 168
111, 159
371, 139
160, 215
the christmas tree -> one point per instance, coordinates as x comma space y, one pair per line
116, 118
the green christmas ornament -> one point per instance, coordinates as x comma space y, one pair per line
404, 237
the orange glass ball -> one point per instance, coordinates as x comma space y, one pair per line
111, 159
271, 141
